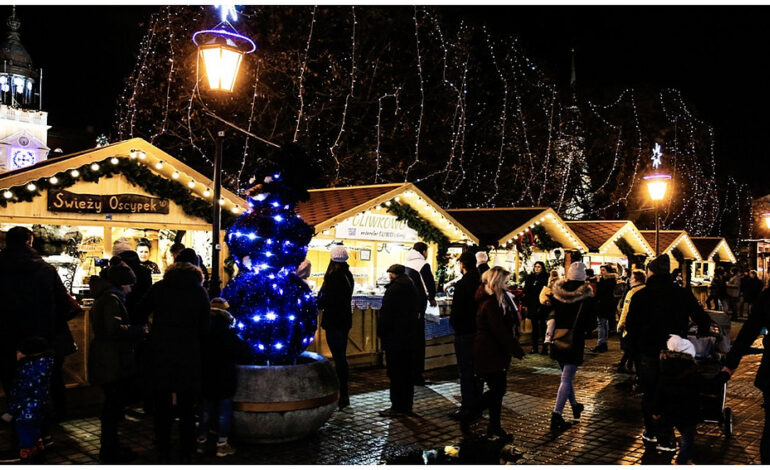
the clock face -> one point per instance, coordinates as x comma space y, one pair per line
21, 158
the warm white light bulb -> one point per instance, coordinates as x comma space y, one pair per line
175, 175
191, 184
159, 165
54, 180
207, 193
95, 167
74, 173
7, 194
114, 160
31, 187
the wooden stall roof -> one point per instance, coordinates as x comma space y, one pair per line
600, 235
330, 206
710, 246
670, 239
153, 156
500, 226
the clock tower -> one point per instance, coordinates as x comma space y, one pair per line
23, 124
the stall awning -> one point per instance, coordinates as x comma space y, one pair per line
670, 239
708, 247
328, 207
601, 236
502, 226
97, 168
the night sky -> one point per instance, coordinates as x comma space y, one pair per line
715, 55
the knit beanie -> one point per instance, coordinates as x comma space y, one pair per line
660, 265
187, 255
339, 254
576, 272
120, 245
118, 273
303, 270
678, 344
397, 269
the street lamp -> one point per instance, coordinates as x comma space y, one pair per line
657, 184
766, 217
221, 49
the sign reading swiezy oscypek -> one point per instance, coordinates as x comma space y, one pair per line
65, 201
376, 227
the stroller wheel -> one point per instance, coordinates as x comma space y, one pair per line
727, 421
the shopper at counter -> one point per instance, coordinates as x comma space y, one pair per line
334, 299
180, 318
396, 328
418, 269
463, 321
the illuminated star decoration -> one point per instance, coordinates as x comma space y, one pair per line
227, 10
656, 155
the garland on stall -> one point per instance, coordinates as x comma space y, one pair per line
426, 231
543, 240
628, 252
135, 172
678, 256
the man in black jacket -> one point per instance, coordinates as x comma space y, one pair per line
657, 311
418, 269
396, 329
758, 319
463, 320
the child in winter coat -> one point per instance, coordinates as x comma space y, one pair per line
676, 398
222, 351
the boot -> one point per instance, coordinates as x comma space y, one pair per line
544, 351
577, 409
558, 424
344, 400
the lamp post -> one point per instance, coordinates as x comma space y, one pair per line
221, 49
657, 184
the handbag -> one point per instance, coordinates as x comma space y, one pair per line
563, 337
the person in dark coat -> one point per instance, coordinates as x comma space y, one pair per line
420, 272
717, 290
111, 357
396, 329
569, 299
179, 306
482, 262
533, 285
659, 310
757, 321
334, 299
752, 286
677, 397
495, 344
606, 305
34, 302
222, 351
463, 321
143, 283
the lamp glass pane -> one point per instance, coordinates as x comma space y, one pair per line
657, 189
221, 67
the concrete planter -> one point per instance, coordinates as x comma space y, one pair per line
284, 403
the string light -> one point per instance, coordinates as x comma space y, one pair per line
95, 167
53, 180
74, 173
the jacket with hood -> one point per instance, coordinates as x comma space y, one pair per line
34, 304
606, 303
223, 350
334, 299
396, 322
679, 386
111, 354
179, 306
419, 271
659, 310
566, 300
463, 315
533, 286
143, 284
495, 342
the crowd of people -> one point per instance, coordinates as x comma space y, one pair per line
171, 349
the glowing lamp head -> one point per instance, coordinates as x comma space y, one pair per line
221, 61
657, 185
766, 217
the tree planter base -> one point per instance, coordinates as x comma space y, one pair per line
285, 402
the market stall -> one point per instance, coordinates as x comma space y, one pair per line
616, 242
518, 236
79, 205
378, 225
713, 250
676, 243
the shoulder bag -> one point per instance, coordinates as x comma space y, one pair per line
563, 337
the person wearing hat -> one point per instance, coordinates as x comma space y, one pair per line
657, 311
418, 269
569, 298
179, 305
396, 328
111, 359
334, 299
222, 350
463, 321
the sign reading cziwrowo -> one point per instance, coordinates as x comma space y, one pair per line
65, 201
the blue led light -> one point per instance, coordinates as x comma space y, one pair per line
278, 218
292, 317
278, 346
261, 347
256, 318
271, 316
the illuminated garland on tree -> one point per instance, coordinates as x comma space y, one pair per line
135, 172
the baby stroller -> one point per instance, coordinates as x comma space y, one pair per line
709, 352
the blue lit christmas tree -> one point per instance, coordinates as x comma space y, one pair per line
275, 310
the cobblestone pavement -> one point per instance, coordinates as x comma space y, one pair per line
608, 432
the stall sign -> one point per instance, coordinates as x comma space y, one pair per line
376, 227
65, 201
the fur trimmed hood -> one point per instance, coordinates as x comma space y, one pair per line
182, 275
610, 276
563, 295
